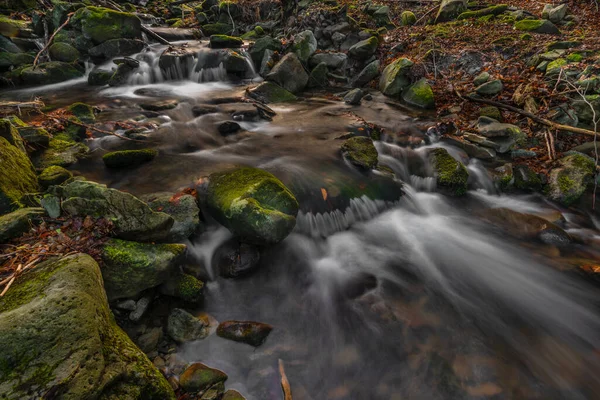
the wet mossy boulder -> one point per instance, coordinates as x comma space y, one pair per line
394, 78
289, 74
361, 152
101, 24
131, 267
183, 286
420, 94
571, 178
58, 336
217, 29
116, 48
63, 52
83, 112
305, 45
128, 158
451, 175
364, 49
249, 332
45, 73
253, 204
62, 151
199, 377
183, 209
132, 218
99, 77
14, 60
537, 26
408, 18
450, 9
17, 176
225, 42
16, 223
269, 92
54, 175
35, 137
183, 327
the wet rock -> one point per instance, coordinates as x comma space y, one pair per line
332, 60
490, 88
318, 76
51, 204
183, 327
225, 42
267, 62
232, 395
63, 299
141, 306
83, 112
419, 95
361, 152
394, 78
269, 92
45, 74
131, 267
257, 51
249, 332
304, 46
148, 342
253, 204
364, 49
490, 128
183, 209
16, 223
159, 105
450, 9
132, 218
353, 97
62, 151
235, 64
199, 377
204, 109
128, 158
63, 52
368, 73
10, 61
235, 259
537, 26
289, 74
226, 128
99, 77
569, 181
451, 175
101, 24
17, 176
184, 287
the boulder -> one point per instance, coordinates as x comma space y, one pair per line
45, 73
555, 14
289, 74
183, 209
419, 95
353, 97
259, 47
63, 52
183, 286
159, 105
269, 92
16, 223
368, 73
62, 151
361, 152
130, 267
249, 332
217, 29
225, 42
9, 132
128, 158
183, 327
253, 204
364, 49
490, 128
570, 179
490, 88
235, 63
526, 179
17, 176
304, 46
10, 61
35, 137
12, 27
99, 77
101, 24
481, 78
318, 76
53, 175
332, 60
58, 336
451, 175
394, 78
537, 26
450, 9
133, 219
83, 112
116, 48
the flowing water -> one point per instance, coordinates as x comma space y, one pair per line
386, 289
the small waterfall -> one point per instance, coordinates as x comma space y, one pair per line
410, 165
479, 177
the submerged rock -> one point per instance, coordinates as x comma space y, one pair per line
183, 327
184, 210
249, 332
289, 74
361, 152
128, 158
17, 176
131, 267
132, 218
58, 336
199, 377
451, 175
253, 204
569, 181
16, 223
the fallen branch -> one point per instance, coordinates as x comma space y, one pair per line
10, 107
92, 128
285, 384
538, 119
426, 14
36, 59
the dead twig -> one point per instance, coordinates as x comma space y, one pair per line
37, 57
285, 384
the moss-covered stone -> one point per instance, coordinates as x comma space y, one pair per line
493, 10
257, 51
364, 49
305, 45
13, 60
451, 175
360, 151
58, 336
537, 26
232, 395
183, 286
83, 112
491, 112
54, 175
569, 181
11, 134
45, 73
130, 267
99, 77
450, 9
128, 158
63, 52
526, 179
395, 78
199, 377
11, 27
270, 92
17, 176
225, 42
253, 204
419, 94
408, 18
16, 223
101, 24
289, 73
182, 208
35, 137
217, 29
183, 327
62, 151
252, 333
554, 67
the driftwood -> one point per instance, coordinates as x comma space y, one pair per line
285, 384
12, 107
92, 128
37, 57
538, 119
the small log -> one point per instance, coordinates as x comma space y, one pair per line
15, 107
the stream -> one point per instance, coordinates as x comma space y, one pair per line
386, 289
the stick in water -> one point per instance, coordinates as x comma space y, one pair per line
285, 384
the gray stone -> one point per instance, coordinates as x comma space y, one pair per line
490, 88
51, 204
368, 73
353, 97
116, 48
289, 74
16, 223
140, 309
395, 77
182, 208
305, 45
332, 60
183, 327
450, 9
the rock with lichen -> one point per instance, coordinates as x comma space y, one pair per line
571, 178
451, 175
17, 176
361, 152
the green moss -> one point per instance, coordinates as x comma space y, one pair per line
189, 288
395, 78
491, 112
361, 152
529, 25
450, 174
574, 57
13, 60
17, 176
408, 18
83, 112
101, 24
484, 12
225, 42
63, 52
129, 158
420, 94
555, 66
526, 36
54, 175
217, 29
62, 151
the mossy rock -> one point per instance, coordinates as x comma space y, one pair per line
225, 42
17, 176
484, 12
199, 377
128, 158
45, 73
11, 134
99, 77
394, 78
232, 395
14, 60
101, 24
35, 137
10, 27
183, 286
361, 152
289, 73
450, 9
270, 92
253, 204
62, 151
130, 267
420, 94
54, 175
554, 67
182, 208
63, 52
257, 51
58, 335
217, 29
537, 26
305, 45
18, 5
83, 112
570, 180
451, 175
526, 179
364, 49
16, 223
491, 112
408, 18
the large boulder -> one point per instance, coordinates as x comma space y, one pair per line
101, 24
132, 218
116, 48
289, 74
253, 204
17, 176
10, 61
570, 179
305, 45
182, 208
130, 267
450, 9
395, 77
451, 175
59, 339
63, 52
419, 95
364, 49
